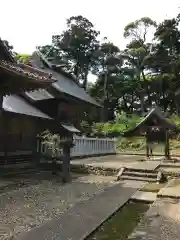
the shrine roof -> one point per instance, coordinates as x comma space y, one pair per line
29, 72
17, 77
18, 105
154, 118
65, 83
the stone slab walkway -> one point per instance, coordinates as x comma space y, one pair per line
144, 196
43, 197
118, 161
171, 190
161, 222
84, 217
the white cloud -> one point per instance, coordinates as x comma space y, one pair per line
26, 24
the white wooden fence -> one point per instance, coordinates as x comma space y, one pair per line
85, 146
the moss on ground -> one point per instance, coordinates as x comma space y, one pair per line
87, 169
120, 226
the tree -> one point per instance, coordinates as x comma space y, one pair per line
77, 45
138, 50
164, 60
107, 66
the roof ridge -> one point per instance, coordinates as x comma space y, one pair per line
44, 58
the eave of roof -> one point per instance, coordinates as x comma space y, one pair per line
30, 73
70, 127
18, 105
19, 77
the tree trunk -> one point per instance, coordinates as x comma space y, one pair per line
142, 103
66, 170
167, 154
147, 90
85, 82
147, 148
104, 109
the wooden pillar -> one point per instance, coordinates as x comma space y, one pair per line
66, 167
147, 148
167, 153
5, 136
37, 150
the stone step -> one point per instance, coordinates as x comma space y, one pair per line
140, 174
145, 179
140, 170
170, 165
144, 196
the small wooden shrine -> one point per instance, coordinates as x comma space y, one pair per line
155, 127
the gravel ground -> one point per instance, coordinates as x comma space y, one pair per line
44, 199
161, 222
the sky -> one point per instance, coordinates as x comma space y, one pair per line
27, 24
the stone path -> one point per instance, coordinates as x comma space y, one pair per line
118, 161
161, 222
45, 198
84, 217
144, 196
171, 190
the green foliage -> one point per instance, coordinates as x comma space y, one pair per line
52, 142
123, 123
23, 58
110, 129
86, 128
176, 119
131, 80
131, 144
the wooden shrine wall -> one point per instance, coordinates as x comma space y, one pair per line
19, 133
70, 111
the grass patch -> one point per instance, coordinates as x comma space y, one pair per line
152, 187
120, 225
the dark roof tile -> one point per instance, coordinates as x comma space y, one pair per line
16, 104
63, 84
